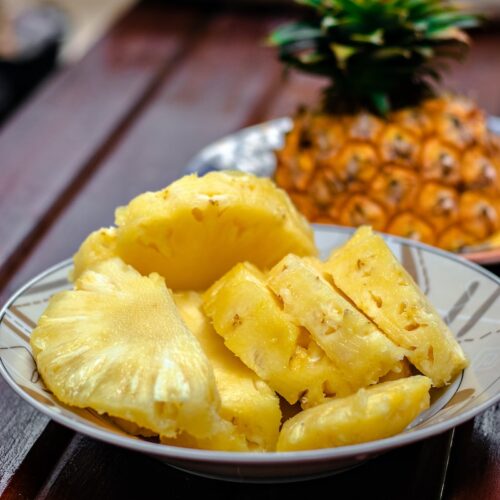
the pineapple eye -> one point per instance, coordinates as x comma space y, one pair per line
305, 140
376, 299
411, 327
236, 320
444, 205
430, 354
197, 214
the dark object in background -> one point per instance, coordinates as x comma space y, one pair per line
38, 35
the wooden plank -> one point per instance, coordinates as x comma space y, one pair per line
474, 470
32, 474
49, 147
96, 470
212, 93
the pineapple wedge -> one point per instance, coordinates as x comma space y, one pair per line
117, 344
366, 270
402, 369
198, 228
97, 247
246, 400
377, 412
356, 346
249, 318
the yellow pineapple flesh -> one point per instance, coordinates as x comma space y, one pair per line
368, 273
377, 412
247, 401
115, 343
97, 247
198, 228
356, 346
254, 326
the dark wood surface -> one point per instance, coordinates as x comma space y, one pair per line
162, 84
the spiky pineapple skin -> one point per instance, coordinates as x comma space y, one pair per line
380, 411
366, 270
431, 173
115, 343
243, 394
249, 318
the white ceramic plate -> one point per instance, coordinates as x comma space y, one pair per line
252, 150
465, 294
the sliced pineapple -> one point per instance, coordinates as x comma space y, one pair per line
251, 406
402, 369
356, 346
97, 247
250, 319
196, 229
366, 270
117, 344
377, 412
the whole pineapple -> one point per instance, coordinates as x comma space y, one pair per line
386, 148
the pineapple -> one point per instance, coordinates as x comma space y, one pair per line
366, 270
378, 412
254, 326
97, 247
196, 229
116, 343
243, 394
387, 147
400, 370
357, 347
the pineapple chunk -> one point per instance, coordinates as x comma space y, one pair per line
249, 318
402, 369
246, 400
356, 346
196, 229
97, 247
366, 270
117, 344
377, 412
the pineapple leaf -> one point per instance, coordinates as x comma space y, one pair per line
377, 54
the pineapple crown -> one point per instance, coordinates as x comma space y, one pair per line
379, 54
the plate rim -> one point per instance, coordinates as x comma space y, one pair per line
358, 451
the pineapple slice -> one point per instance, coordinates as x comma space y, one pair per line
357, 347
402, 369
97, 247
117, 344
198, 228
249, 318
377, 412
366, 270
246, 400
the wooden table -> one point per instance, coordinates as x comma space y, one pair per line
162, 84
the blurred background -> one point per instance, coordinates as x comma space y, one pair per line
37, 36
